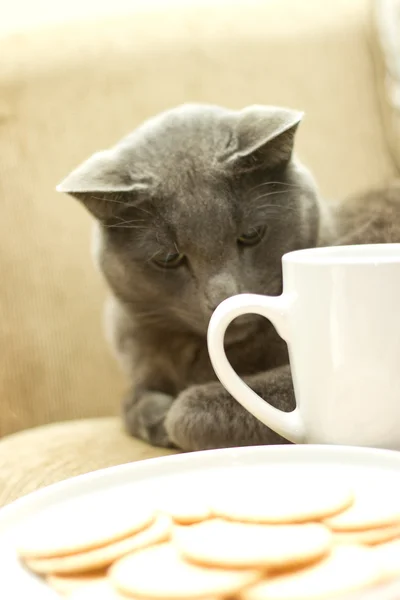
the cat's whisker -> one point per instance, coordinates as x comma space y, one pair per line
277, 209
188, 320
144, 210
275, 206
127, 224
108, 200
152, 256
354, 234
180, 311
163, 319
275, 193
130, 220
122, 203
150, 316
274, 211
122, 226
282, 183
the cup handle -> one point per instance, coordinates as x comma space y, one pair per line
274, 308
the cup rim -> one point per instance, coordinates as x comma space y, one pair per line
358, 254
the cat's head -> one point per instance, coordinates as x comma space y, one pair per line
197, 204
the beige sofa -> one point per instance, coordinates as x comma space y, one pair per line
75, 79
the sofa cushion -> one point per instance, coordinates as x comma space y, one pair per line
386, 47
37, 457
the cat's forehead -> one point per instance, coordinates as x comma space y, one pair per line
185, 143
197, 208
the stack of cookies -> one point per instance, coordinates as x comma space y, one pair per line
281, 542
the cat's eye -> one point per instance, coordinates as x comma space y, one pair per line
172, 260
252, 237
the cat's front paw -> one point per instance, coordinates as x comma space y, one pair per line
193, 421
144, 417
206, 416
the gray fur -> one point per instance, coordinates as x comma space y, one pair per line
193, 180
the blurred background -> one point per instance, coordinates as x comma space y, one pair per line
76, 76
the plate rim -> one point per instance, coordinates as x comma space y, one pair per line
176, 463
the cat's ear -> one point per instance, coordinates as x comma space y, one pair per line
100, 181
265, 137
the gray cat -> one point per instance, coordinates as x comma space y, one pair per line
198, 204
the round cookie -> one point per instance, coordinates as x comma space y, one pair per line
346, 569
158, 531
370, 510
66, 584
282, 503
172, 577
232, 544
368, 537
388, 556
185, 508
101, 590
82, 525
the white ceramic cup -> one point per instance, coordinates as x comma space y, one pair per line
340, 316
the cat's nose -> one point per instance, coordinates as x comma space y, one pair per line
219, 288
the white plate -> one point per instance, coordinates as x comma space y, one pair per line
156, 475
